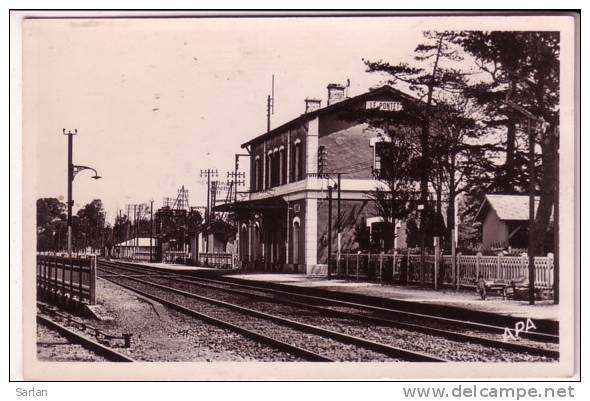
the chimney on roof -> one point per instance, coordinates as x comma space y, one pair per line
312, 104
335, 93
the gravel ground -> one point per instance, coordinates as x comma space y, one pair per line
420, 342
332, 349
405, 319
52, 346
161, 334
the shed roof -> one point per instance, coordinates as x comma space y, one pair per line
507, 207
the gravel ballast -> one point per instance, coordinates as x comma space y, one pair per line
161, 334
52, 346
413, 341
327, 347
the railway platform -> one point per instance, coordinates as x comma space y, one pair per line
462, 301
465, 304
178, 267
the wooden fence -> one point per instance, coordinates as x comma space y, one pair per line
216, 259
63, 279
405, 268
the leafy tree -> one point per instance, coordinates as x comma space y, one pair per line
51, 224
89, 226
464, 152
398, 157
431, 78
525, 65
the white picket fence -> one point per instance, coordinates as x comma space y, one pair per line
504, 268
468, 268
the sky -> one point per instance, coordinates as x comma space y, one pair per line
155, 101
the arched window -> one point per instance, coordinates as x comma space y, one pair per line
282, 166
297, 165
257, 179
268, 170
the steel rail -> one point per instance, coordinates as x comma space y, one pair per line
84, 341
449, 334
452, 335
372, 345
280, 345
538, 336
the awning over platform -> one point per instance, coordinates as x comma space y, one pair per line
257, 205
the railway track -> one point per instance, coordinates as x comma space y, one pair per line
534, 339
337, 321
95, 350
308, 341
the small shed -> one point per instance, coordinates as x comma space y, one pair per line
505, 221
136, 248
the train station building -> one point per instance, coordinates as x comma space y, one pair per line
283, 219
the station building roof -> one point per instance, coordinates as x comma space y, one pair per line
385, 89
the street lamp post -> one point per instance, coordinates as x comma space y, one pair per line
72, 171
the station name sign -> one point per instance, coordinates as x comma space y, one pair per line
383, 105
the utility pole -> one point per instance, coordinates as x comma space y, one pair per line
531, 135
329, 228
338, 222
531, 250
237, 175
151, 228
208, 172
134, 230
270, 100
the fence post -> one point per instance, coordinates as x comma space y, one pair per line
499, 268
408, 269
347, 256
550, 270
454, 274
71, 261
381, 267
477, 266
358, 256
393, 264
436, 262
80, 270
92, 283
458, 268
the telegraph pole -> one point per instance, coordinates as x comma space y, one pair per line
329, 228
338, 209
151, 228
531, 136
208, 172
238, 175
270, 100
531, 250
